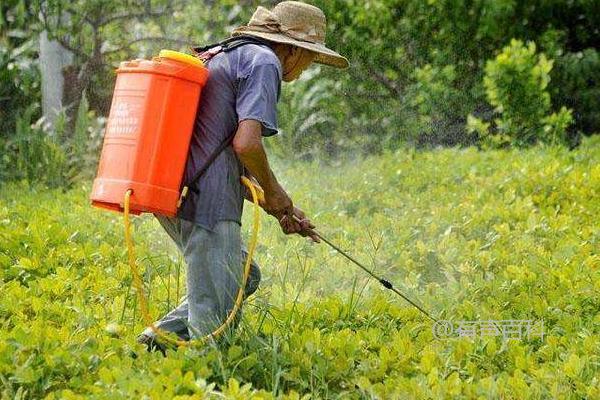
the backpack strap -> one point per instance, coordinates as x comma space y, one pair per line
205, 53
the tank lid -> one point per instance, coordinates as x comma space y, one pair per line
182, 57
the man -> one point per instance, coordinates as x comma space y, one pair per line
240, 96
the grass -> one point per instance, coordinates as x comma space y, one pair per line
498, 235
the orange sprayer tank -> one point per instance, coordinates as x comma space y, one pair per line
148, 133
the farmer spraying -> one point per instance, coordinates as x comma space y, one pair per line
237, 108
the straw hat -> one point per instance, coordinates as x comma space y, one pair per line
295, 23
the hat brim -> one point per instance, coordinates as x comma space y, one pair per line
325, 55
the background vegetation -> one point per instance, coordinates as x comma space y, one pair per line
441, 72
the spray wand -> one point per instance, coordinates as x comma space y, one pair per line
384, 282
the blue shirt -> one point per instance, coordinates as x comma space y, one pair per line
244, 83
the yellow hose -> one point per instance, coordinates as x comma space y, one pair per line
140, 288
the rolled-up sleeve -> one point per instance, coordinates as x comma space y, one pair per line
257, 95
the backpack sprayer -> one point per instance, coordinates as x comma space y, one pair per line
145, 148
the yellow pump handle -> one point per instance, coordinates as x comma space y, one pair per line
240, 295
177, 56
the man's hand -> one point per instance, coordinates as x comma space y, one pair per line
298, 223
279, 207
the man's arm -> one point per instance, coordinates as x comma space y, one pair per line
248, 146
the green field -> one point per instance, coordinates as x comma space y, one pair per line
472, 236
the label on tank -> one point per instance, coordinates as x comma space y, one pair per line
124, 116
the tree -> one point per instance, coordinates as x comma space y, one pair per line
96, 33
54, 58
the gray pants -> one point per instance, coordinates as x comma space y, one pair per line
214, 274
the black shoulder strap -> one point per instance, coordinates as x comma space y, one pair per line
208, 162
227, 45
205, 53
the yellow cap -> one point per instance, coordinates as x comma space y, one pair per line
185, 58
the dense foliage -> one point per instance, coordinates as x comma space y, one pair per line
453, 40
19, 72
469, 235
516, 85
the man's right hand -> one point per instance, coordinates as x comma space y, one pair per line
300, 224
278, 203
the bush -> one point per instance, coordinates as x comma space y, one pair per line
516, 84
33, 154
19, 75
39, 154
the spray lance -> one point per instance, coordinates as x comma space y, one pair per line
384, 282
